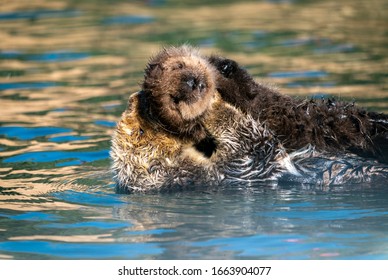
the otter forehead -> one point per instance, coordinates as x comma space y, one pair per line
185, 77
167, 54
171, 66
190, 65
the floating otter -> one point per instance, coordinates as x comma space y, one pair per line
329, 125
178, 133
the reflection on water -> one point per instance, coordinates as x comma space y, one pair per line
38, 14
66, 71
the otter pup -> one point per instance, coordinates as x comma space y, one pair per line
177, 91
327, 124
163, 118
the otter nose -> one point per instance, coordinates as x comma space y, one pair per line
192, 83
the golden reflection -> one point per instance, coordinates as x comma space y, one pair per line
25, 205
6, 257
44, 91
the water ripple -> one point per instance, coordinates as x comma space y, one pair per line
299, 74
52, 56
27, 85
128, 19
38, 14
80, 250
29, 133
53, 156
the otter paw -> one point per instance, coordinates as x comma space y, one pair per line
225, 66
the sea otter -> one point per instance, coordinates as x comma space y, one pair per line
179, 133
329, 125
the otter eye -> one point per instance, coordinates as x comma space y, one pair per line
201, 86
175, 99
178, 66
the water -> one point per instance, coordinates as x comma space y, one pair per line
66, 71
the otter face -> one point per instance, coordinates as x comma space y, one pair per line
178, 89
187, 86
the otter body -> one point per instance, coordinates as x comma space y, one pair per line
329, 125
178, 133
149, 160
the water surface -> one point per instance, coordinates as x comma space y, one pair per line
66, 72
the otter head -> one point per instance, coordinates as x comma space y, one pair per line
177, 91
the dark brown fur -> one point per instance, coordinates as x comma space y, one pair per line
328, 124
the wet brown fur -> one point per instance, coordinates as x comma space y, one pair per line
330, 125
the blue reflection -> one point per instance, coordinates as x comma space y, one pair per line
28, 133
207, 43
69, 163
320, 95
34, 216
105, 123
355, 236
262, 245
99, 199
342, 48
53, 56
307, 84
58, 56
158, 231
10, 54
325, 215
27, 85
128, 19
68, 138
81, 251
89, 224
52, 156
260, 34
254, 44
305, 42
297, 42
37, 14
299, 74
